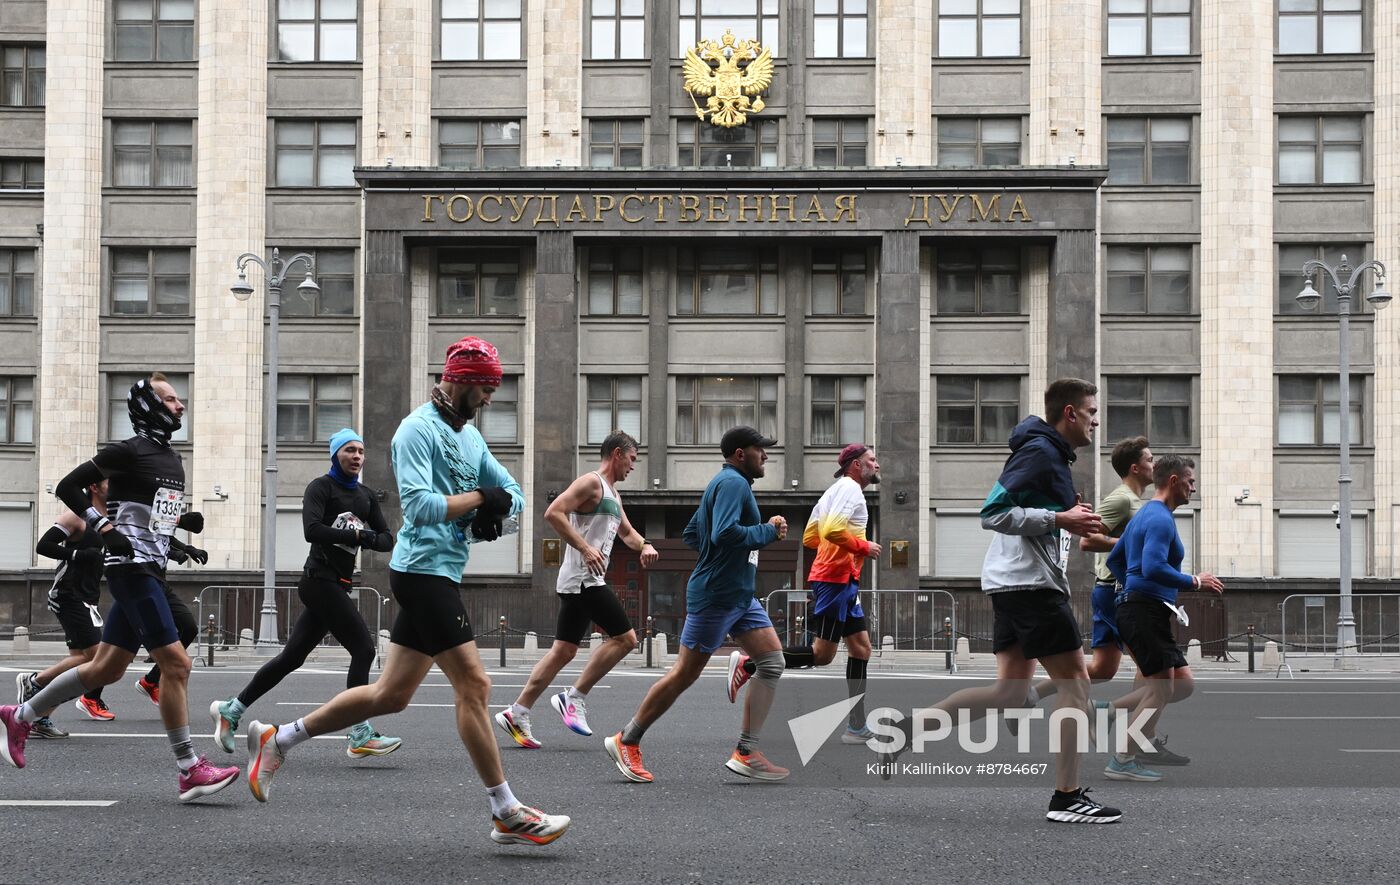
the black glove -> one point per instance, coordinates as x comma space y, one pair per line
366, 538
177, 555
117, 544
199, 556
495, 500
486, 526
85, 557
192, 521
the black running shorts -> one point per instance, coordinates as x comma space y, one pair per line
82, 624
593, 605
1039, 621
1145, 624
833, 630
431, 617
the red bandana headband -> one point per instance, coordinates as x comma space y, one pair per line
472, 361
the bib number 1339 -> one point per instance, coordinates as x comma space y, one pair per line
165, 510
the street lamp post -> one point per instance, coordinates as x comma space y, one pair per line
1344, 279
274, 272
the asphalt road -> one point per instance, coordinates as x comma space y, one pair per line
1265, 799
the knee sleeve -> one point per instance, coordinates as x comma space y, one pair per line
768, 666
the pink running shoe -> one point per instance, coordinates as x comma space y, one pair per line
574, 713
738, 674
13, 733
205, 779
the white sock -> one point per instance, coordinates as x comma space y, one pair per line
182, 745
517, 711
575, 694
291, 734
503, 801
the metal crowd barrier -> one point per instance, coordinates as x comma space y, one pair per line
1309, 624
228, 617
898, 619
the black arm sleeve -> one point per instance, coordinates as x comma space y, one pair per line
313, 505
72, 489
51, 544
383, 538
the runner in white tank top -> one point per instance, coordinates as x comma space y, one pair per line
589, 517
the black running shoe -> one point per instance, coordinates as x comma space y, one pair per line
886, 760
1160, 755
1078, 808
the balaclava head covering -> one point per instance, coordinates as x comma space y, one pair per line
149, 416
338, 441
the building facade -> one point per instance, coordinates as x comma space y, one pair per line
944, 205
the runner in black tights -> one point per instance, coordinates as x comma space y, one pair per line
340, 516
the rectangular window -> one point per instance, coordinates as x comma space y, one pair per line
615, 281
153, 30
977, 410
1309, 409
1149, 27
707, 406
979, 141
310, 408
839, 28
22, 174
615, 143
317, 30
479, 144
335, 274
1157, 407
478, 282
726, 281
16, 410
614, 403
499, 422
1149, 150
482, 29
748, 19
152, 153
979, 28
119, 425
1320, 150
1149, 279
617, 29
714, 147
319, 153
22, 75
978, 282
839, 141
840, 283
150, 282
838, 410
1312, 27
1291, 259
16, 282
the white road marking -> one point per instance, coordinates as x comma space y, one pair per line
1324, 718
161, 734
1370, 751
1323, 693
58, 803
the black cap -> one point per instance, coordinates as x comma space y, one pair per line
742, 437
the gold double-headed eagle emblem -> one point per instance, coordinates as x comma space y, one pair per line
713, 71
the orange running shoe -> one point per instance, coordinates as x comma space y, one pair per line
628, 758
149, 689
753, 764
94, 708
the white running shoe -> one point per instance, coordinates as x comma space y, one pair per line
264, 758
574, 713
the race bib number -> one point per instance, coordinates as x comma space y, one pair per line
165, 510
350, 521
753, 558
1064, 552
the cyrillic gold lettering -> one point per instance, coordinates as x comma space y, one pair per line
428, 206
845, 205
756, 208
661, 201
519, 207
553, 200
689, 203
918, 210
981, 213
599, 206
790, 208
948, 210
718, 205
452, 216
577, 208
814, 206
481, 208
1018, 208
622, 208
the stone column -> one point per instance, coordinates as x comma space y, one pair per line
903, 84
397, 87
1066, 44
554, 82
1072, 352
553, 379
231, 139
900, 360
69, 336
1387, 249
796, 263
1237, 258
